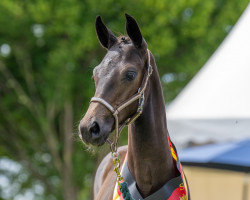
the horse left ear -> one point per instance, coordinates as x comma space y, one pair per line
105, 36
134, 32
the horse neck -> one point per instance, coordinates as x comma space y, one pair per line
149, 156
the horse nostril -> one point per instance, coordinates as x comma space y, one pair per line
94, 129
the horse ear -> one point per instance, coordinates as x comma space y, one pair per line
134, 32
105, 36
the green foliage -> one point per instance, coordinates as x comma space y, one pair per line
45, 76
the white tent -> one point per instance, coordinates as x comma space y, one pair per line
215, 105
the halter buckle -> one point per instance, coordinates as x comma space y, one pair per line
150, 70
141, 103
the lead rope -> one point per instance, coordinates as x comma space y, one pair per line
123, 186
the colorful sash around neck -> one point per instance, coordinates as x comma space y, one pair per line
174, 189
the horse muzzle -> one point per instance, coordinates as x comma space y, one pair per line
95, 128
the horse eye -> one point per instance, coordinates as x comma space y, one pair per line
130, 76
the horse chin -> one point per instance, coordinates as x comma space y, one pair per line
99, 142
95, 142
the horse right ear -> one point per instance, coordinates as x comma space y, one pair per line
105, 36
134, 32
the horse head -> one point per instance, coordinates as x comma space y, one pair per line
117, 78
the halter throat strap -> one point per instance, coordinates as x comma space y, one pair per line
138, 96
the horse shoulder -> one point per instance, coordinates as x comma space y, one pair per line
105, 178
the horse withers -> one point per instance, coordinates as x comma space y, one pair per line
128, 91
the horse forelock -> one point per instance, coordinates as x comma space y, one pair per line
123, 40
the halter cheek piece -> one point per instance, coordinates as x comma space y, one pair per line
138, 96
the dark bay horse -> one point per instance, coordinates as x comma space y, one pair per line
118, 77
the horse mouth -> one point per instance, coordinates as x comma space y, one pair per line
100, 141
94, 140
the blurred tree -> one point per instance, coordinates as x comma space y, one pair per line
48, 50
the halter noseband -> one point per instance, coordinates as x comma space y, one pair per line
138, 96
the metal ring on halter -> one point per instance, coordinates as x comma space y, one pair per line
138, 96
